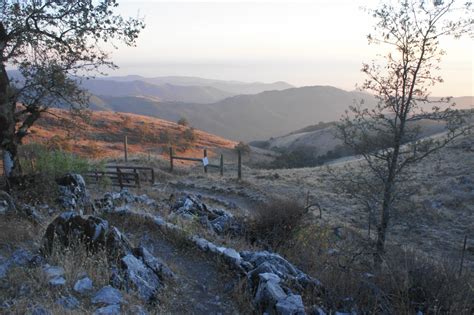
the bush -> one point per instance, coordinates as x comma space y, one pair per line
189, 135
275, 222
298, 157
307, 157
35, 158
242, 147
164, 137
183, 122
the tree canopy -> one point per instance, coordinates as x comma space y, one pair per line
389, 136
53, 44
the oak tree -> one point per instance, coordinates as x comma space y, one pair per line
52, 45
389, 137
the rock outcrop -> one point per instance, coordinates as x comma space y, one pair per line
134, 268
73, 194
217, 220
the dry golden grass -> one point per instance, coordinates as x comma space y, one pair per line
102, 135
17, 231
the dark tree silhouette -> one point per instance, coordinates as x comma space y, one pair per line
388, 136
52, 44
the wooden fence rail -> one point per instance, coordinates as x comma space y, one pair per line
124, 176
203, 160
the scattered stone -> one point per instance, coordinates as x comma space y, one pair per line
4, 208
268, 294
108, 296
21, 257
83, 285
217, 220
108, 310
291, 305
57, 281
4, 267
68, 302
31, 213
40, 310
144, 279
7, 205
232, 255
138, 310
154, 263
73, 193
53, 271
120, 202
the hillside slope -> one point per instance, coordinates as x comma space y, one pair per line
233, 87
248, 117
102, 134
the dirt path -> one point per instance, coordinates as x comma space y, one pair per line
200, 287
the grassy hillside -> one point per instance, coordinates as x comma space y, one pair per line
102, 133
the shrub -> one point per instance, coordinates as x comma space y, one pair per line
242, 147
41, 167
189, 135
36, 158
308, 157
59, 143
275, 222
164, 137
183, 122
298, 157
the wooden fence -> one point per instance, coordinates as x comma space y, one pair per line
204, 160
124, 176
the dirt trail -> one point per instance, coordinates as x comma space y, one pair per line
200, 286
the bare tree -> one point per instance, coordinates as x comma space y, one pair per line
389, 136
52, 44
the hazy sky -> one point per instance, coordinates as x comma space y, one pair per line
300, 42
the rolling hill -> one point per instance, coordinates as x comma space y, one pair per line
247, 117
102, 134
232, 87
163, 92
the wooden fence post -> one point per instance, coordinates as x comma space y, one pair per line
462, 255
125, 148
137, 179
119, 177
239, 164
205, 156
171, 159
222, 165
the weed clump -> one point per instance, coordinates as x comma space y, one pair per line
275, 222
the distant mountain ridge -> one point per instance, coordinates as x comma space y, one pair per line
247, 117
165, 92
231, 87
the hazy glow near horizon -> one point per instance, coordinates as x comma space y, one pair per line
300, 42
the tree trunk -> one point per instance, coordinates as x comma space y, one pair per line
388, 195
8, 141
382, 228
